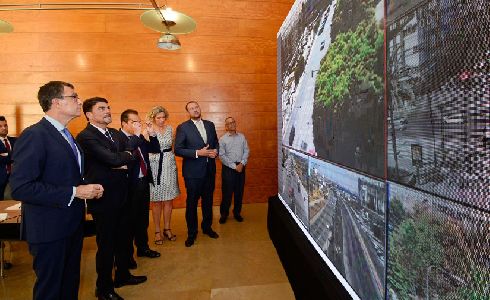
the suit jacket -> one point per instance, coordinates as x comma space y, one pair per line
4, 160
44, 172
146, 147
102, 157
187, 141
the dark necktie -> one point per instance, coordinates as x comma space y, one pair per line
144, 170
9, 149
71, 141
108, 135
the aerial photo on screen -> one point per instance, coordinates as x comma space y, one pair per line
437, 249
332, 99
293, 182
439, 98
347, 220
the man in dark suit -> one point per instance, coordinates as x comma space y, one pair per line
140, 177
106, 162
47, 178
6, 148
196, 141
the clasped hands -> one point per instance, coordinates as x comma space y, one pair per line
89, 191
205, 151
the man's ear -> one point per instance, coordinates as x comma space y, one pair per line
88, 115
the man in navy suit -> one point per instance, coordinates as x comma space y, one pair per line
196, 141
140, 177
107, 158
6, 148
47, 178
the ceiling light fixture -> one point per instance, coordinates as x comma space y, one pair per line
170, 22
168, 41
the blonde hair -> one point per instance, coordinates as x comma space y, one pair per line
155, 111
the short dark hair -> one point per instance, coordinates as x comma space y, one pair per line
192, 101
2, 118
125, 115
89, 104
49, 91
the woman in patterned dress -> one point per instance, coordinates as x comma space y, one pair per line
165, 185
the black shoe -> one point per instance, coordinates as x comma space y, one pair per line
107, 296
222, 220
148, 253
239, 218
131, 280
132, 264
189, 242
211, 233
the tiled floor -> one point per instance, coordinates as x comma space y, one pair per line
241, 264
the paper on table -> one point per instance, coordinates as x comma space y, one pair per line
3, 216
14, 207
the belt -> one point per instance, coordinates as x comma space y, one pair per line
160, 161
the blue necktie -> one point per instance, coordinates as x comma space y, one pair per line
72, 142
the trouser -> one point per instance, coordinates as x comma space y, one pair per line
199, 188
57, 267
113, 243
139, 213
232, 184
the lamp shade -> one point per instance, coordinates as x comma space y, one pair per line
176, 22
168, 42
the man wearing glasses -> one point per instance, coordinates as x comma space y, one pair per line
233, 153
140, 177
47, 177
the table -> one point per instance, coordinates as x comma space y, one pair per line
10, 227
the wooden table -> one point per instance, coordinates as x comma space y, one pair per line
9, 228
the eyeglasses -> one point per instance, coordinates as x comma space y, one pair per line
74, 96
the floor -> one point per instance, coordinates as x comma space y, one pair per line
241, 264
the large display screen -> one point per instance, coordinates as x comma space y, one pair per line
347, 220
383, 133
437, 249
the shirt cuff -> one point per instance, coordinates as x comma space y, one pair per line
72, 195
197, 155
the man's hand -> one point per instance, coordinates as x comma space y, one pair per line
204, 151
89, 191
213, 153
137, 128
239, 168
149, 128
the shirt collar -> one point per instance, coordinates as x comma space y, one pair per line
100, 129
127, 134
55, 123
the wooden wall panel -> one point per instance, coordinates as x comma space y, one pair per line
228, 65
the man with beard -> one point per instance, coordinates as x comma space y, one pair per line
196, 141
106, 162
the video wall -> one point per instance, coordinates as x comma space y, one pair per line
383, 134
